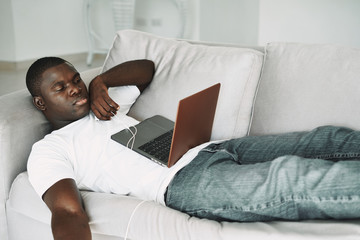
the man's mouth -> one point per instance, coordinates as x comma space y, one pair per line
80, 101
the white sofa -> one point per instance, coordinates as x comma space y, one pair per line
281, 87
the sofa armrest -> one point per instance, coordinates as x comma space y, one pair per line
20, 126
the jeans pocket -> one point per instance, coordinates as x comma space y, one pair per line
212, 148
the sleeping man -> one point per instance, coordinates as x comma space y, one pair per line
293, 176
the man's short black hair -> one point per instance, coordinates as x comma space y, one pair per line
34, 74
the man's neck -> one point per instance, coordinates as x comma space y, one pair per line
60, 124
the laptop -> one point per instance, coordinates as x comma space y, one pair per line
165, 142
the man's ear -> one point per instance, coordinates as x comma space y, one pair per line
39, 103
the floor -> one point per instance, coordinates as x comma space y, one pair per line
13, 80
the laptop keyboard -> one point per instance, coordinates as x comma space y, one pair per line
159, 147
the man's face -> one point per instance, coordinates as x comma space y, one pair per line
64, 95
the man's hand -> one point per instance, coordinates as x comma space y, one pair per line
136, 72
101, 104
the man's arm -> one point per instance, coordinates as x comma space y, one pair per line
137, 72
69, 220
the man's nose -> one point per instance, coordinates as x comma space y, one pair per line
74, 89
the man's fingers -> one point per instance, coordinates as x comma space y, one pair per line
108, 104
110, 107
105, 109
101, 110
102, 105
113, 105
99, 115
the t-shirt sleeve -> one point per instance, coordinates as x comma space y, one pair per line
49, 163
125, 96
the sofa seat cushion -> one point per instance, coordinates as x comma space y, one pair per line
304, 86
183, 69
110, 214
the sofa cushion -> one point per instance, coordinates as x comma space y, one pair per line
110, 219
307, 85
179, 65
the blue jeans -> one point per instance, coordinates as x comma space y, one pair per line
295, 176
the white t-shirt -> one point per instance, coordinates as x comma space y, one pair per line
84, 151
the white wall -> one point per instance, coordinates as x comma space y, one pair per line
102, 21
32, 29
257, 22
310, 21
230, 21
7, 36
43, 27
159, 17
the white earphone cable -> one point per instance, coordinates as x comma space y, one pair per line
131, 141
131, 217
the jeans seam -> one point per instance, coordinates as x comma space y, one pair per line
279, 202
351, 155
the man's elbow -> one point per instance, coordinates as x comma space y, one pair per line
151, 69
148, 71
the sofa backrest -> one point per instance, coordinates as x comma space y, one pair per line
307, 85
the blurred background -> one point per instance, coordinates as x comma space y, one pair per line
82, 31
